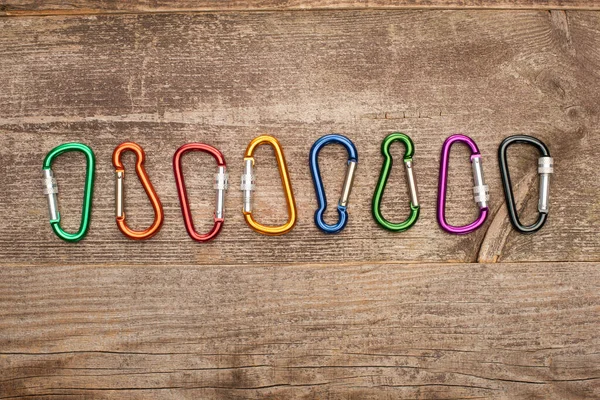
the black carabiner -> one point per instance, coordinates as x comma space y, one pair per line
545, 168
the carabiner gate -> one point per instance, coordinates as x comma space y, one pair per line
145, 180
342, 207
545, 168
383, 178
221, 184
51, 190
480, 190
247, 186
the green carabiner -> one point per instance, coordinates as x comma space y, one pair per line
51, 190
383, 178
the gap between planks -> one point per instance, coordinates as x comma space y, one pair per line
209, 10
311, 265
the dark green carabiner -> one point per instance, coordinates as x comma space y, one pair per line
51, 190
383, 178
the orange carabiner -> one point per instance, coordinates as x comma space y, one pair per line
247, 187
143, 176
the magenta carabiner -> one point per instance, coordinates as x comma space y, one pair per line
480, 189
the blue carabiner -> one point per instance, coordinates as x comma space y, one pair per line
318, 182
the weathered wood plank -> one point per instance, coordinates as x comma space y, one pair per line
359, 331
28, 7
166, 79
322, 317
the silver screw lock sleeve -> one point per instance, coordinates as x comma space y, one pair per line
247, 185
545, 168
50, 188
481, 192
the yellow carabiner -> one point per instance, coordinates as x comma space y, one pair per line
247, 187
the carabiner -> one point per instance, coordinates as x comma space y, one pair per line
51, 190
480, 190
221, 184
342, 207
247, 186
145, 180
545, 168
383, 178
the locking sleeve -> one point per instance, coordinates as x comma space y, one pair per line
50, 188
545, 168
221, 185
480, 189
247, 185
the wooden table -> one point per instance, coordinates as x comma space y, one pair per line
366, 314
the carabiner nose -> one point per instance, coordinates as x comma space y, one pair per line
545, 168
342, 207
221, 184
51, 190
148, 188
247, 186
480, 189
383, 178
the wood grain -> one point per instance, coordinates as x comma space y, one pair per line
354, 331
54, 7
366, 314
164, 80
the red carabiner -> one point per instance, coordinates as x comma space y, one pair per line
220, 186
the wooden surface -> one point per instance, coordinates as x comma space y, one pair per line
366, 314
53, 7
358, 331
